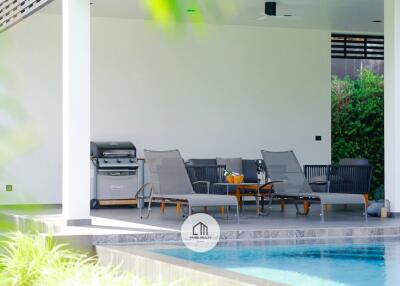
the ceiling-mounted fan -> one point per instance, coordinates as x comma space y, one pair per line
270, 12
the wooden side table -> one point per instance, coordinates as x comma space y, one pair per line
255, 191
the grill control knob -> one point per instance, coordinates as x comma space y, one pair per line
131, 160
105, 161
118, 160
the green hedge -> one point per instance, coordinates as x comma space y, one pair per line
358, 121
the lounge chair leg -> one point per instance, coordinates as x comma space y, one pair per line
238, 198
205, 209
282, 203
190, 210
366, 198
269, 207
297, 209
162, 207
262, 203
178, 209
306, 206
322, 213
222, 210
148, 210
185, 210
365, 213
270, 203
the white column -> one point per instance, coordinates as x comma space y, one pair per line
76, 111
392, 103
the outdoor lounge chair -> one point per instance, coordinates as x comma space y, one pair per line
170, 183
284, 169
350, 176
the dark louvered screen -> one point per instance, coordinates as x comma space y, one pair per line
14, 11
357, 47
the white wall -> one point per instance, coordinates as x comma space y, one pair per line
30, 56
232, 93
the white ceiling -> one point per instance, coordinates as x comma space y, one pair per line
335, 15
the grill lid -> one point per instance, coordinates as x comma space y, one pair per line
113, 149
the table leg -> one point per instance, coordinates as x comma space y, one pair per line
239, 198
257, 203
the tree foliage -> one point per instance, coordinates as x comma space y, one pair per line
358, 121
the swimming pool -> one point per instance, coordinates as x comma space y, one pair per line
333, 264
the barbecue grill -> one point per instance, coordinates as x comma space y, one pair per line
116, 178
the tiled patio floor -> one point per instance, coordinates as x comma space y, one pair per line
119, 221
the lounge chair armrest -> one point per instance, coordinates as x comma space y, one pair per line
271, 183
141, 190
207, 183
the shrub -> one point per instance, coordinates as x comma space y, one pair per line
29, 260
358, 121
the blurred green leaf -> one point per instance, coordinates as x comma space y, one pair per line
174, 16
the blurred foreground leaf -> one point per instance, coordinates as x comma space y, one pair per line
174, 16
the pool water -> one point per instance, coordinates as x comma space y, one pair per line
369, 264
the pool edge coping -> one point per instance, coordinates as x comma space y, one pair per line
201, 269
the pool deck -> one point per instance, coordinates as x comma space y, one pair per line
123, 225
118, 236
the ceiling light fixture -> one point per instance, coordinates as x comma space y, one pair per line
191, 10
377, 21
270, 12
270, 8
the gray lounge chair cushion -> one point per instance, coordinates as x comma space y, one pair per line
320, 183
353, 162
322, 180
331, 198
232, 164
249, 171
202, 162
319, 188
375, 208
319, 180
